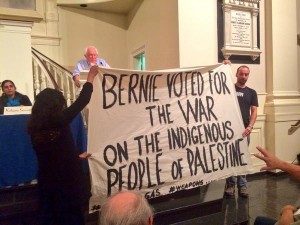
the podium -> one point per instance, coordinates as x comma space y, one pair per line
18, 163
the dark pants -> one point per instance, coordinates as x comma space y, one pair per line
260, 220
58, 209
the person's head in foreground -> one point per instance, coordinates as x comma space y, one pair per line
126, 208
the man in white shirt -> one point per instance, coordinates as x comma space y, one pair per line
91, 58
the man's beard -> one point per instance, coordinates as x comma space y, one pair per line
242, 82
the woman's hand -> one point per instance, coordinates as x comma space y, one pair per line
92, 73
226, 61
84, 155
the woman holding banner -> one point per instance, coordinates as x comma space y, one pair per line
62, 186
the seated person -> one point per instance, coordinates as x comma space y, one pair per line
11, 97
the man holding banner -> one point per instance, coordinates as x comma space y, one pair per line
247, 98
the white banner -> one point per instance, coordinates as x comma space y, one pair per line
159, 132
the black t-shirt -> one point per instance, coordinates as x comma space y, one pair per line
247, 97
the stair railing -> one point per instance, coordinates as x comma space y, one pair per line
294, 127
48, 73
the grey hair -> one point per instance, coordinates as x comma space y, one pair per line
136, 213
86, 49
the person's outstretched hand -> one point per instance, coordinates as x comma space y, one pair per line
272, 161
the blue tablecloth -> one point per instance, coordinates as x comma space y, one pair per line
18, 163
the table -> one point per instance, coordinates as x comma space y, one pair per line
18, 163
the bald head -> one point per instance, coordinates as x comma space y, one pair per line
126, 208
124, 201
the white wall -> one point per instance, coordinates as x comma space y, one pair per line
64, 33
298, 48
15, 55
283, 100
183, 33
284, 38
198, 40
197, 32
155, 26
80, 28
45, 34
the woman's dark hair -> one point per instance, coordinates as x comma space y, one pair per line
46, 113
6, 81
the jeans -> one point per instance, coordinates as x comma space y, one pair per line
240, 180
260, 220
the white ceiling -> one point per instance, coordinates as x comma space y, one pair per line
111, 6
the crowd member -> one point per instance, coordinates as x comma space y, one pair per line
248, 103
287, 212
62, 186
11, 97
91, 58
126, 208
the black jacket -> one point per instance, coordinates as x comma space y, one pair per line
59, 167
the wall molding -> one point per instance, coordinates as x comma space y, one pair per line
45, 40
22, 27
283, 117
20, 15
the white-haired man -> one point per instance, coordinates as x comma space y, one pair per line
91, 58
126, 208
